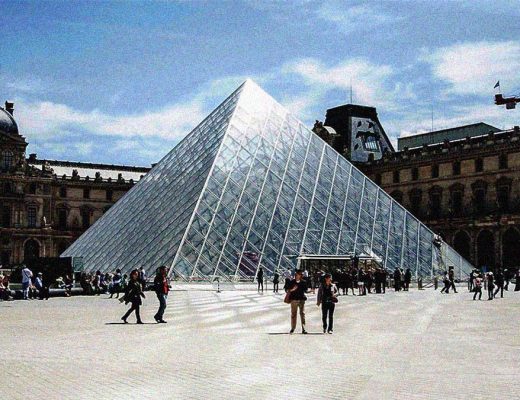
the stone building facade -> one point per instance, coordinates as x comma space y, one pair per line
46, 204
464, 182
467, 190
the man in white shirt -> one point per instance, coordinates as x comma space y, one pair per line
26, 281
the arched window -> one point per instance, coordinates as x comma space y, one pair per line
7, 160
435, 194
511, 248
486, 249
85, 218
462, 243
396, 176
31, 250
62, 218
415, 196
503, 188
435, 171
415, 174
479, 189
456, 199
31, 216
479, 165
456, 168
502, 161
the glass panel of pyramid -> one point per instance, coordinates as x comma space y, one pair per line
251, 186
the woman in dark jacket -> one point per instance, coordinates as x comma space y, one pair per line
407, 279
133, 295
327, 297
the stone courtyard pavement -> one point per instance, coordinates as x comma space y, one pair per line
234, 345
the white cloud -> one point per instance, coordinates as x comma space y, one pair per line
47, 119
371, 83
354, 18
473, 68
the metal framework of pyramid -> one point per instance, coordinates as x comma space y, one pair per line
252, 186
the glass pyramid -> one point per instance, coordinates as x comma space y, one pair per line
252, 186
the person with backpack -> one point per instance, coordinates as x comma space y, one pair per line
133, 295
162, 288
327, 298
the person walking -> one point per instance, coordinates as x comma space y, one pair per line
490, 285
276, 281
260, 279
446, 281
517, 280
499, 280
327, 298
162, 289
133, 295
477, 286
451, 277
26, 281
297, 289
407, 279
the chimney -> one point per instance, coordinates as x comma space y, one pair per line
9, 107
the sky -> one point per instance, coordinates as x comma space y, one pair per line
121, 82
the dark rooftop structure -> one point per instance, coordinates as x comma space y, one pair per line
460, 132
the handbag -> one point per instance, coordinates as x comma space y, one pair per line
287, 298
334, 299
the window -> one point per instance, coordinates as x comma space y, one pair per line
397, 177
86, 193
110, 195
479, 165
435, 171
502, 161
503, 198
415, 201
62, 218
415, 174
63, 192
371, 143
435, 205
479, 200
85, 218
456, 168
456, 203
7, 160
6, 216
46, 189
31, 217
33, 187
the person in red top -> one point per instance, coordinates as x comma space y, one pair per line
162, 288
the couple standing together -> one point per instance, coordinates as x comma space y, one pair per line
327, 298
134, 293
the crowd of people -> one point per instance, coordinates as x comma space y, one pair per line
34, 286
494, 283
